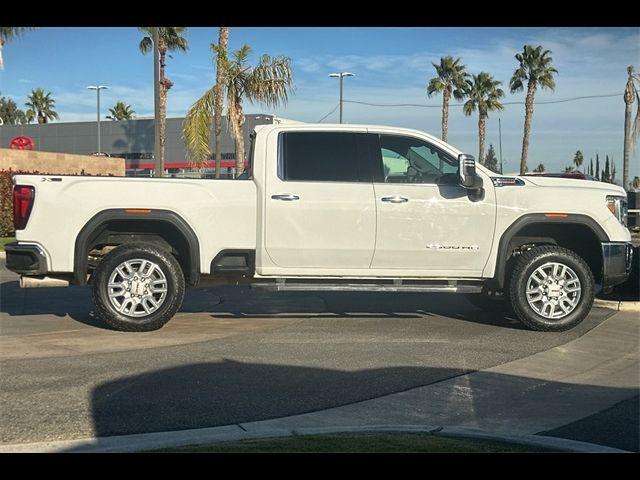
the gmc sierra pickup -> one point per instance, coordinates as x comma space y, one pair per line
327, 207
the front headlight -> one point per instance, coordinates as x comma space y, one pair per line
618, 206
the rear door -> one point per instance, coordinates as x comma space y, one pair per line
320, 207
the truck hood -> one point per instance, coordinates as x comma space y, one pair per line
575, 183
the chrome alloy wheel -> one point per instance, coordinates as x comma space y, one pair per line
137, 287
553, 290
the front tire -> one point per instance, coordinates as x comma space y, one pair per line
138, 287
551, 289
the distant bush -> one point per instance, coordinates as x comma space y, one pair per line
6, 197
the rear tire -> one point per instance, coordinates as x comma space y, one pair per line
551, 289
138, 287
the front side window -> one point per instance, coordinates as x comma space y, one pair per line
411, 160
319, 156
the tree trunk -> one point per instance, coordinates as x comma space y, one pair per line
629, 94
240, 142
162, 48
482, 123
445, 113
223, 41
528, 114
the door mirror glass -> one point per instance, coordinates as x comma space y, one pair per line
467, 170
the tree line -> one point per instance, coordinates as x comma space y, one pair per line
270, 81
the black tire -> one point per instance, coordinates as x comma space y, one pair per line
526, 264
143, 322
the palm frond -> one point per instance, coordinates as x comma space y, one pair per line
435, 86
196, 129
146, 45
270, 81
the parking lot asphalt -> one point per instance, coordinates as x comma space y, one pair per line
235, 355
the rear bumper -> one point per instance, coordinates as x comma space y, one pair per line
25, 259
617, 258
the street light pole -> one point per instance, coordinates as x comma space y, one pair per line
97, 88
341, 75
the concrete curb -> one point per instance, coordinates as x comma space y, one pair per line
618, 305
254, 430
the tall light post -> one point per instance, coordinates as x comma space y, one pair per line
341, 75
97, 88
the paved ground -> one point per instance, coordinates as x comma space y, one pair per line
236, 356
618, 426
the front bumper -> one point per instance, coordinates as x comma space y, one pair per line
617, 258
25, 259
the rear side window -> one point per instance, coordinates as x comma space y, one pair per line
321, 156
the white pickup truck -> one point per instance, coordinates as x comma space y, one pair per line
327, 207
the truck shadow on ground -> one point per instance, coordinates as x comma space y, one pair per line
234, 302
231, 392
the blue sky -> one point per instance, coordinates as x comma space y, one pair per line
392, 65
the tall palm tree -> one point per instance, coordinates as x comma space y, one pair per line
450, 81
221, 54
121, 111
267, 84
535, 69
630, 137
578, 159
484, 94
170, 39
40, 105
9, 33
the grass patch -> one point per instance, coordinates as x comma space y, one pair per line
359, 443
4, 241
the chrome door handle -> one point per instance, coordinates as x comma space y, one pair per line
395, 199
287, 197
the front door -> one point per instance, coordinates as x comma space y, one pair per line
320, 208
426, 222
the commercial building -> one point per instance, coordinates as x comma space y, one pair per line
132, 140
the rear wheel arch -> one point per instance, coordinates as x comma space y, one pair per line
164, 228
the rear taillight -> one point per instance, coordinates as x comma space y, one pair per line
22, 203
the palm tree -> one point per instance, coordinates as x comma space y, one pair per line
450, 81
267, 84
221, 51
9, 33
630, 138
578, 159
535, 69
41, 106
484, 95
169, 40
539, 168
121, 111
